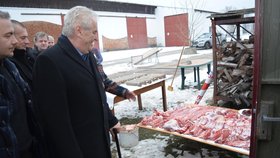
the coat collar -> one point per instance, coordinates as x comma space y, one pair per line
72, 52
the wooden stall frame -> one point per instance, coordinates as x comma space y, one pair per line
231, 18
139, 90
209, 142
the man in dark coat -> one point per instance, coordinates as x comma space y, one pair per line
23, 57
69, 93
16, 137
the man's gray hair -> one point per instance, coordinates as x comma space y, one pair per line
78, 15
40, 35
17, 23
4, 15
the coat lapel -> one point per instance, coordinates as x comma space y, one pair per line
70, 51
98, 77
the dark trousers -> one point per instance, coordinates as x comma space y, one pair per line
26, 154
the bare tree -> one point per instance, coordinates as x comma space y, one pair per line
197, 20
230, 28
195, 17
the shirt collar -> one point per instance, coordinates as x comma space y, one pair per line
81, 54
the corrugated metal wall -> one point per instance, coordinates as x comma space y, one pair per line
269, 48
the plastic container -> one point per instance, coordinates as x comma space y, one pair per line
129, 136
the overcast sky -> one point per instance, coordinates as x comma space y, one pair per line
211, 5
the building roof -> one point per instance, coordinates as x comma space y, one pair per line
233, 13
205, 11
233, 17
96, 5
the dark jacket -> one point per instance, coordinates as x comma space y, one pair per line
98, 56
71, 103
24, 61
35, 51
15, 112
110, 85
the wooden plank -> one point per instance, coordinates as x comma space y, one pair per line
195, 63
139, 90
146, 55
209, 142
145, 79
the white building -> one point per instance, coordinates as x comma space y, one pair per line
163, 25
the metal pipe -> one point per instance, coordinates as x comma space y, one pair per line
238, 41
246, 30
270, 119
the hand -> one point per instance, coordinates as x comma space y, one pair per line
117, 129
131, 96
117, 126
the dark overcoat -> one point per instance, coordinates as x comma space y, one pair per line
71, 104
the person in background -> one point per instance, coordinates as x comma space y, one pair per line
16, 138
23, 57
50, 41
109, 85
97, 55
69, 92
114, 88
40, 43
